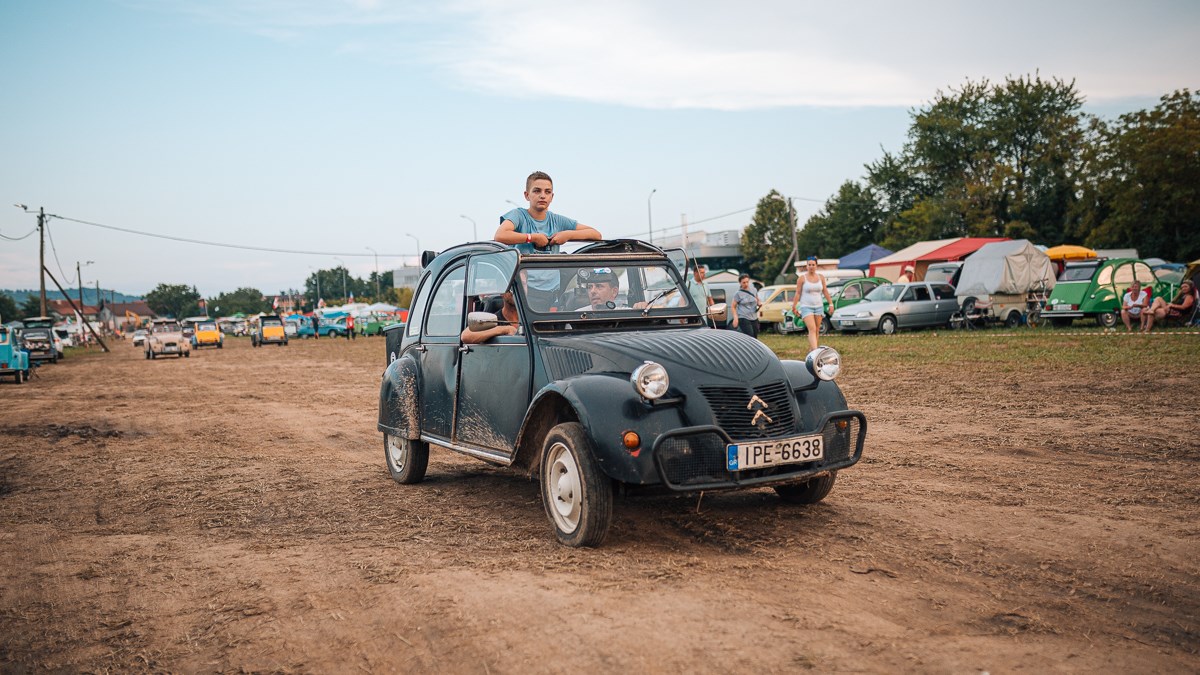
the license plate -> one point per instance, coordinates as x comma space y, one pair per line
847, 322
169, 349
759, 454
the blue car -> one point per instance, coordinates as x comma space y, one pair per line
13, 359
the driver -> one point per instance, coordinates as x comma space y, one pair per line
603, 287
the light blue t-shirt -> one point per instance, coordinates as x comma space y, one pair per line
543, 280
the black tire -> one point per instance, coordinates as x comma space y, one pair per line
19, 376
1107, 319
220, 345
406, 460
576, 494
147, 354
153, 355
1013, 319
887, 325
808, 492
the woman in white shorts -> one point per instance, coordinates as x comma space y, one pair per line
810, 286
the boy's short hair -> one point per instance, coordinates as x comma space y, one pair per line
537, 175
743, 276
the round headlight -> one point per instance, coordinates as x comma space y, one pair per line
650, 380
824, 362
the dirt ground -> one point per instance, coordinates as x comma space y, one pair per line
232, 512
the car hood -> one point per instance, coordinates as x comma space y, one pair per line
722, 353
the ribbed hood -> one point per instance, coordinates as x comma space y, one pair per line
723, 353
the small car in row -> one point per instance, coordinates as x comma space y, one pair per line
14, 360
166, 338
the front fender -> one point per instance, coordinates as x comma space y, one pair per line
399, 411
606, 406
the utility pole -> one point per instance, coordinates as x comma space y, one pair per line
377, 298
42, 256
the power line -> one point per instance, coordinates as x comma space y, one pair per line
18, 238
219, 244
55, 251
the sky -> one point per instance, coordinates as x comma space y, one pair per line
361, 131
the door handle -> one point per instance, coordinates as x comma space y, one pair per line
464, 349
420, 348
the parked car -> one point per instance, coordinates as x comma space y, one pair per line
166, 339
333, 327
944, 273
1093, 289
775, 301
14, 360
375, 324
139, 337
891, 307
291, 328
39, 330
637, 394
270, 330
305, 329
208, 335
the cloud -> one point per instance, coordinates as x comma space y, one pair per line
754, 54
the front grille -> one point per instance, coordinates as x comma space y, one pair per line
736, 413
697, 459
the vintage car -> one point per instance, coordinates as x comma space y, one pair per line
775, 301
1093, 289
376, 323
894, 306
166, 339
208, 335
13, 358
332, 327
38, 342
139, 337
269, 330
609, 383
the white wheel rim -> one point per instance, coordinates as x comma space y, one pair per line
397, 451
563, 487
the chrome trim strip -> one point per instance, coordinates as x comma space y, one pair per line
486, 455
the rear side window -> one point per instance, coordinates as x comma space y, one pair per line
943, 292
917, 293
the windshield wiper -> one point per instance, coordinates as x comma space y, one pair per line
655, 299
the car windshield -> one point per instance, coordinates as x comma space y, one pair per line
1078, 273
886, 293
207, 326
166, 328
271, 322
602, 286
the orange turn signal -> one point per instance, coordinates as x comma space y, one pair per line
842, 424
631, 440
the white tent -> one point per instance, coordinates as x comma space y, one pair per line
1007, 268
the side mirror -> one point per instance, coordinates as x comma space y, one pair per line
718, 311
718, 295
481, 321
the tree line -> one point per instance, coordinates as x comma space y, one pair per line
1015, 159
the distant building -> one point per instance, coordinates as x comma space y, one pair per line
126, 315
718, 250
406, 277
62, 310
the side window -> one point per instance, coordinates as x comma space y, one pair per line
1124, 275
417, 311
943, 292
868, 286
790, 295
852, 292
1143, 274
1105, 277
916, 293
446, 307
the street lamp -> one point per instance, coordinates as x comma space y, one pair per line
414, 238
376, 272
650, 214
345, 295
474, 228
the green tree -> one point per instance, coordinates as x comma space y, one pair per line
245, 300
174, 300
8, 309
850, 220
31, 306
767, 240
1141, 183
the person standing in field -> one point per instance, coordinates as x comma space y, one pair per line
537, 230
810, 286
745, 307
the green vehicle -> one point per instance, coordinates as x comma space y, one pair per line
844, 293
1093, 289
375, 324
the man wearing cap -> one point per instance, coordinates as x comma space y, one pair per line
907, 276
537, 230
603, 287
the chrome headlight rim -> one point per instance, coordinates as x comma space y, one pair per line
650, 380
825, 363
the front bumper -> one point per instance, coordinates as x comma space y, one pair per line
695, 458
847, 325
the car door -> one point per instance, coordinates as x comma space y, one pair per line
945, 303
439, 353
916, 307
495, 378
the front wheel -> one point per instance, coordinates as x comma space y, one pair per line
1106, 319
1013, 319
406, 460
809, 492
578, 497
887, 325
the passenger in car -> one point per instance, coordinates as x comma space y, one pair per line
507, 313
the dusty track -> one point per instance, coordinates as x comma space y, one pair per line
232, 512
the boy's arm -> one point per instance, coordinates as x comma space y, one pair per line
507, 234
580, 233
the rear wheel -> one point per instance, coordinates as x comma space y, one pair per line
578, 497
406, 460
1106, 319
809, 492
1013, 319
